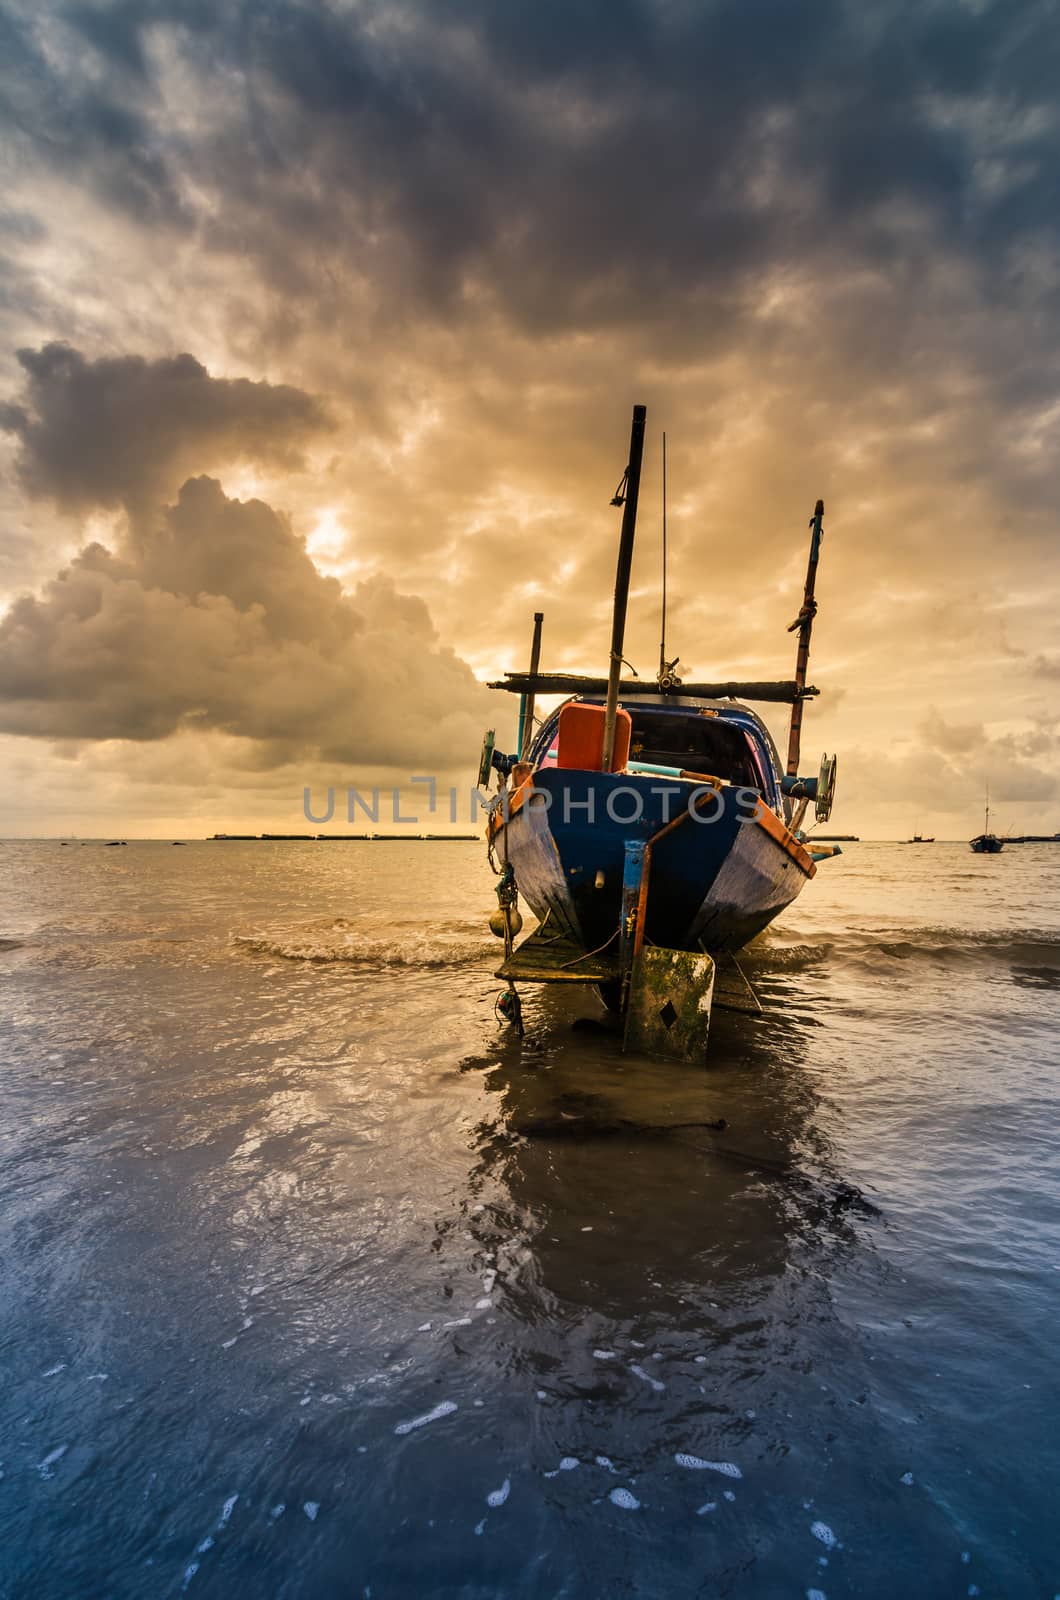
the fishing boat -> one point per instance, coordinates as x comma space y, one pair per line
987, 843
919, 838
650, 827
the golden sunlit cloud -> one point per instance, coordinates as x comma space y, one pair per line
321, 328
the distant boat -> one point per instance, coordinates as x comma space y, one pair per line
987, 843
919, 838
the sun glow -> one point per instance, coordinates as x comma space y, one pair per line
327, 544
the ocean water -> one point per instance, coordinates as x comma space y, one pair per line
317, 1283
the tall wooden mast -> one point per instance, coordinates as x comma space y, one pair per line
526, 708
804, 623
625, 563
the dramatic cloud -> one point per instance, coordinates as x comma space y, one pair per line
123, 430
819, 240
579, 163
943, 772
219, 620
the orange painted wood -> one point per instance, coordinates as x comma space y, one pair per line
581, 738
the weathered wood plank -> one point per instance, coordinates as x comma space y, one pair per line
547, 957
784, 692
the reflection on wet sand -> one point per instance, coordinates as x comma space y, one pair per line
649, 1188
654, 1239
321, 1284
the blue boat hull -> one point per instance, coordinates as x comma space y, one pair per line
718, 877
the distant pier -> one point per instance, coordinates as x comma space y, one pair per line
341, 838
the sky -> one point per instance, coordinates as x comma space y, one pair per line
321, 325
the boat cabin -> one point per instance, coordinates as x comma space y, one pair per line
720, 739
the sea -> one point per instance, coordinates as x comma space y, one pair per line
318, 1282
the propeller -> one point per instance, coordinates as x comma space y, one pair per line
826, 787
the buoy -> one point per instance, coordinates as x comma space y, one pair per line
506, 919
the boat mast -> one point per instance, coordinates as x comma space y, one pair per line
804, 623
526, 707
625, 563
662, 634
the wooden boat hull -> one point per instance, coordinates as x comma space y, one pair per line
718, 877
987, 844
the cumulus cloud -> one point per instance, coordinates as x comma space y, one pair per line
818, 239
214, 617
942, 770
124, 430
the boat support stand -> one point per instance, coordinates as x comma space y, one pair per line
666, 994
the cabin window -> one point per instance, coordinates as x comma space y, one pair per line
694, 744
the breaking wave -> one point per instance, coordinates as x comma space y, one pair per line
419, 949
1029, 948
1032, 954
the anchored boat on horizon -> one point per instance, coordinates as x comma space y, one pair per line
987, 843
651, 827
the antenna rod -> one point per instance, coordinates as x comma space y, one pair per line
804, 623
625, 563
662, 637
526, 710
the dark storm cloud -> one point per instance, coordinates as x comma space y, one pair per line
580, 161
214, 618
818, 238
119, 429
84, 127
114, 30
570, 166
